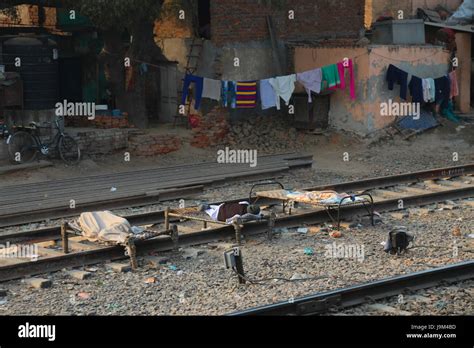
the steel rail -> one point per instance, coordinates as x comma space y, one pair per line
158, 217
156, 197
320, 303
386, 181
20, 270
147, 198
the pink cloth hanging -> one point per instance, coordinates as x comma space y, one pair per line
342, 76
454, 84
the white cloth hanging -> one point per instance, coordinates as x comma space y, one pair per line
212, 89
311, 80
284, 86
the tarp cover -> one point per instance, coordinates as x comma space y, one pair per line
104, 226
463, 15
424, 122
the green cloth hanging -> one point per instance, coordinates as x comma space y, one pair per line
330, 77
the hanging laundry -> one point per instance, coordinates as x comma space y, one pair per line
267, 95
350, 67
330, 77
454, 84
432, 89
284, 86
199, 82
341, 67
443, 91
211, 89
311, 80
396, 75
229, 94
428, 90
246, 95
416, 89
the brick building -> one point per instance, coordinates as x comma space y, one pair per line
310, 34
240, 30
232, 40
245, 20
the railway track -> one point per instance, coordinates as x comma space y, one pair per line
28, 203
320, 303
408, 190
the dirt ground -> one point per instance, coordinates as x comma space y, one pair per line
201, 285
333, 152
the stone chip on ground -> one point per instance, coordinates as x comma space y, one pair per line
38, 283
378, 307
156, 261
119, 267
80, 275
192, 253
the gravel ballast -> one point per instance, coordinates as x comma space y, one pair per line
200, 285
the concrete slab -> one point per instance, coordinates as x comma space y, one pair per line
119, 267
80, 275
27, 166
38, 283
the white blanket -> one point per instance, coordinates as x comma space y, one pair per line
104, 226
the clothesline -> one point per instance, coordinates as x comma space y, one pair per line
440, 90
245, 94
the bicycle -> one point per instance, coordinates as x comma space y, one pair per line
25, 145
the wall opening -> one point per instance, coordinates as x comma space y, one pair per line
204, 19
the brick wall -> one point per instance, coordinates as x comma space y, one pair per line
138, 143
169, 25
28, 15
100, 121
212, 130
153, 145
245, 20
101, 142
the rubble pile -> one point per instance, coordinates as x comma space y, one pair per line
265, 134
153, 145
211, 129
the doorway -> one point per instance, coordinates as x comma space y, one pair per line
204, 19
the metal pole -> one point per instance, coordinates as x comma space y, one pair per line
239, 266
132, 252
64, 238
271, 225
238, 235
175, 237
167, 219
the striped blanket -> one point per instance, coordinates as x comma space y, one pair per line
246, 95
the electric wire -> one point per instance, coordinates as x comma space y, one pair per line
263, 281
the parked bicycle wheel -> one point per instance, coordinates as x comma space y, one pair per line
22, 147
69, 150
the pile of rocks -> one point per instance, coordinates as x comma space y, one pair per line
267, 134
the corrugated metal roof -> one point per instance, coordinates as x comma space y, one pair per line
468, 28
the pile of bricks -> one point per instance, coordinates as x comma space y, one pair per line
153, 145
212, 130
100, 121
267, 134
